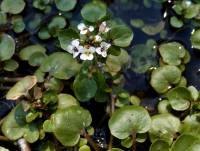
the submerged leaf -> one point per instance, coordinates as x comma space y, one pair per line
21, 87
65, 5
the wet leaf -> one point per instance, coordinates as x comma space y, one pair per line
61, 65
14, 126
94, 11
10, 65
186, 142
7, 47
68, 123
136, 118
153, 29
21, 87
65, 5
195, 39
84, 88
164, 126
179, 98
8, 6
172, 53
121, 35
143, 57
66, 100
175, 22
160, 145
28, 51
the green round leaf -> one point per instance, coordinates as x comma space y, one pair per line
127, 142
143, 57
36, 58
21, 87
28, 51
44, 34
66, 100
179, 98
65, 5
121, 35
164, 126
7, 47
194, 92
94, 11
84, 88
160, 145
195, 39
8, 6
175, 22
136, 118
18, 24
10, 65
57, 22
163, 106
163, 77
84, 148
172, 53
54, 85
3, 18
68, 124
186, 142
61, 65
137, 23
153, 29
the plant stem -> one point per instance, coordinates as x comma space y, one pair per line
134, 141
23, 145
90, 141
112, 109
3, 138
8, 79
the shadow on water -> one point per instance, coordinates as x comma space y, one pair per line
136, 83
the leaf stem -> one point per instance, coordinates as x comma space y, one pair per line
134, 141
112, 109
90, 141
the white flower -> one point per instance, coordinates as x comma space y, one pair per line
97, 38
102, 50
85, 29
87, 53
103, 28
74, 48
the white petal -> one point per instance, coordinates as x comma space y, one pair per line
83, 56
75, 54
104, 54
75, 42
92, 49
90, 57
98, 50
81, 26
91, 28
83, 32
98, 38
80, 48
70, 49
105, 45
107, 29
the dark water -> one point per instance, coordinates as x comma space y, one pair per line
125, 10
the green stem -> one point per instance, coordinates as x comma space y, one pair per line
134, 141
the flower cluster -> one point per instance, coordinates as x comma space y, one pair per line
95, 43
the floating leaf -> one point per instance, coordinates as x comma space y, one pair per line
84, 148
160, 145
28, 51
84, 88
68, 123
3, 18
8, 6
175, 22
127, 142
137, 23
54, 84
186, 142
172, 53
7, 47
194, 92
10, 65
192, 11
65, 5
61, 65
179, 98
153, 29
44, 34
18, 24
163, 106
136, 118
195, 39
163, 77
36, 58
164, 126
66, 100
21, 87
121, 35
94, 11
143, 57
14, 126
